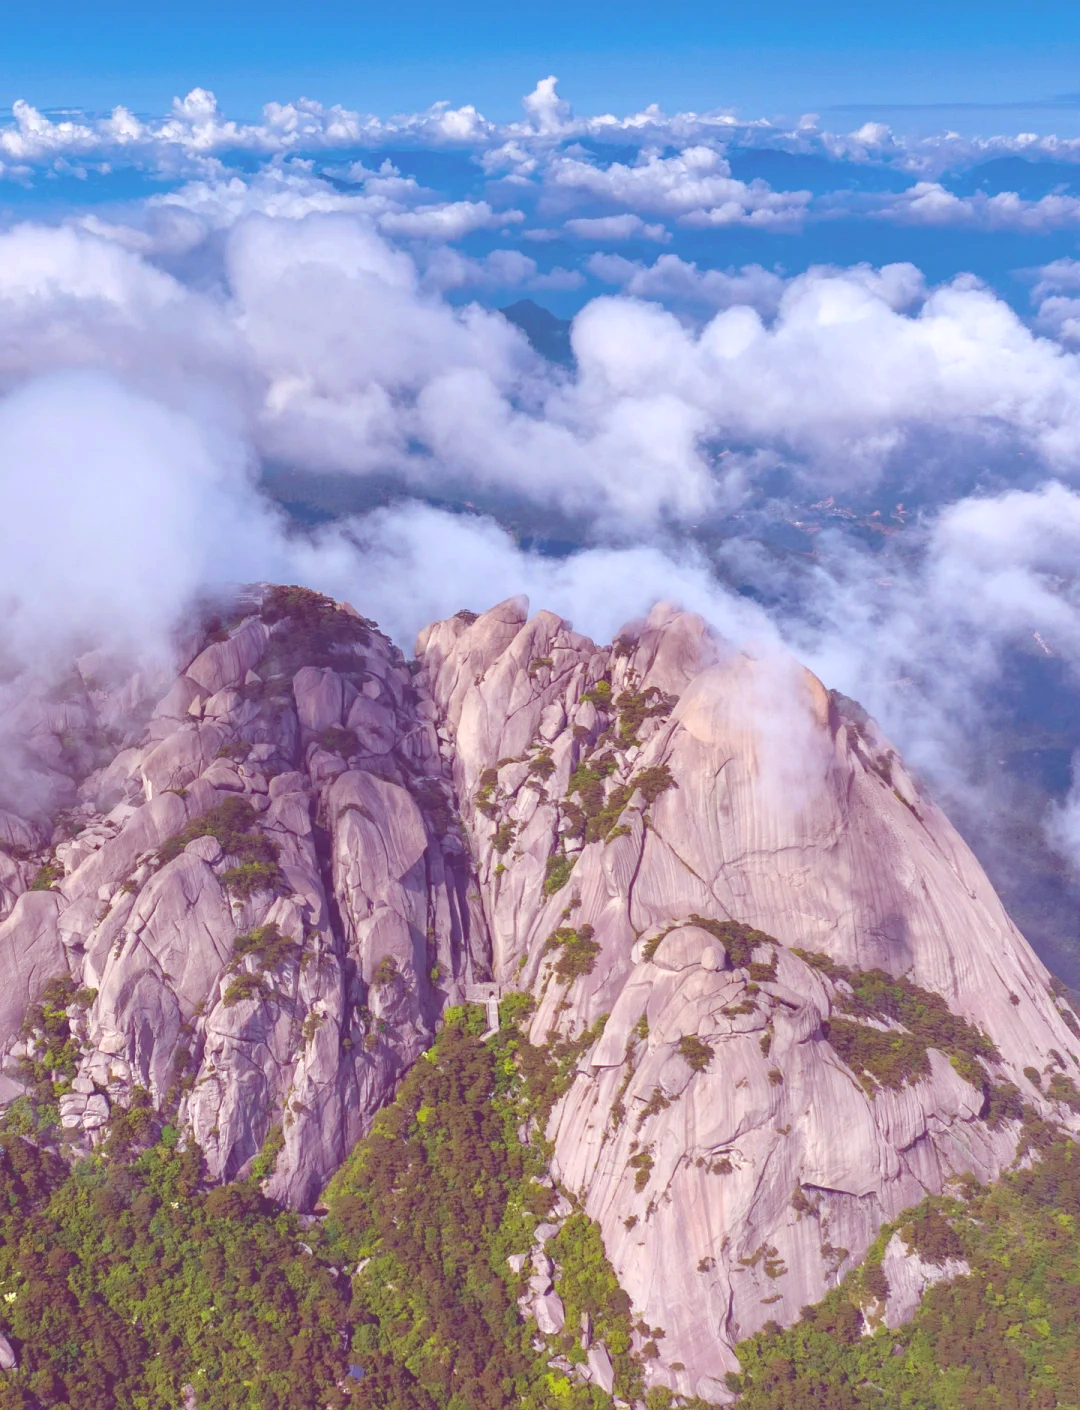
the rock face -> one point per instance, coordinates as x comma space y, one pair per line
614, 799
270, 904
276, 862
909, 1276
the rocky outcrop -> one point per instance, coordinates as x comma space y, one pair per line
266, 868
705, 847
908, 1276
269, 903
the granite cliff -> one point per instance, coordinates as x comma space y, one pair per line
255, 878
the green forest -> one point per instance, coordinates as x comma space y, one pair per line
123, 1280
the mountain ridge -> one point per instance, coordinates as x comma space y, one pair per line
791, 1002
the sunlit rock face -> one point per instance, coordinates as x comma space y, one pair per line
738, 1166
277, 859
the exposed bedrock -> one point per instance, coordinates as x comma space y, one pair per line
738, 1164
278, 860
265, 888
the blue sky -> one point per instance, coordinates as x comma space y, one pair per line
778, 58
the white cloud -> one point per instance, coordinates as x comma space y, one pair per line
546, 111
69, 298
1059, 276
1056, 293
334, 354
196, 138
929, 203
501, 269
123, 509
926, 637
416, 564
671, 280
844, 372
449, 221
927, 156
119, 509
680, 283
327, 352
616, 227
393, 203
138, 404
1060, 317
695, 186
195, 134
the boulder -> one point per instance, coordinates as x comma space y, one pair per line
319, 698
181, 757
226, 663
373, 723
550, 1314
601, 1371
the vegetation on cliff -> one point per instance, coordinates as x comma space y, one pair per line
123, 1280
232, 825
1004, 1337
434, 1202
889, 1059
312, 630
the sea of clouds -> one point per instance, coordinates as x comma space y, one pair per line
285, 295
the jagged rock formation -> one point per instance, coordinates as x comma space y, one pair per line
271, 930
737, 1164
276, 862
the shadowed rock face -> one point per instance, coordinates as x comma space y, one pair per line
292, 998
281, 860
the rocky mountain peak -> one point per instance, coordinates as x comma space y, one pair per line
788, 1001
700, 856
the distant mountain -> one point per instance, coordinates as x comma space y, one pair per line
550, 336
1031, 180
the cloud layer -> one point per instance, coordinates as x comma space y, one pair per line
329, 347
870, 467
196, 130
635, 172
